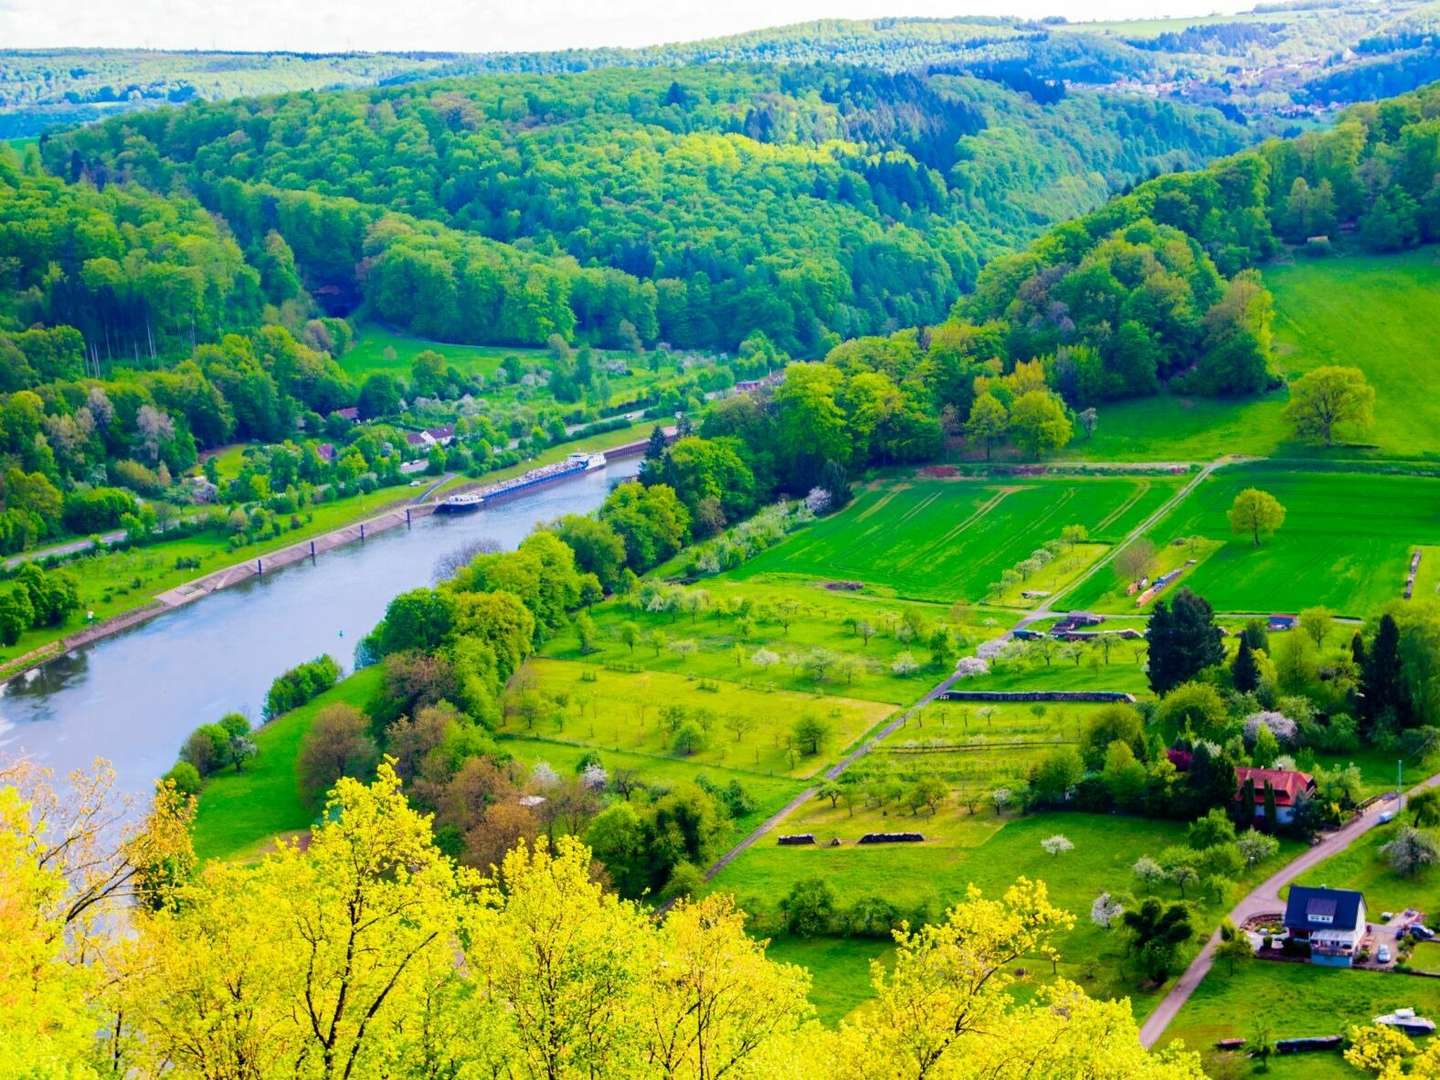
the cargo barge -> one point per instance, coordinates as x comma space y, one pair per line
465, 502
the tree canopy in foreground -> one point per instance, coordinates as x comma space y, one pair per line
368, 952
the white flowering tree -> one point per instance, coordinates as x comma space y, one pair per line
818, 501
1281, 726
1057, 844
969, 666
764, 658
904, 664
1105, 910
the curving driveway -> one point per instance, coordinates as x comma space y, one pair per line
1265, 897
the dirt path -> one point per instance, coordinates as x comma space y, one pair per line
1264, 898
832, 773
1047, 608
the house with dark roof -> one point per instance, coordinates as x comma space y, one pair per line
1330, 921
1289, 786
351, 413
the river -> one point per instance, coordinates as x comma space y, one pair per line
133, 698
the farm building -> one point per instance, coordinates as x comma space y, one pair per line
1330, 921
1289, 785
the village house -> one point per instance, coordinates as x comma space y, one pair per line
1289, 785
1330, 921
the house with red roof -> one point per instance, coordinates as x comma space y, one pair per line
1288, 784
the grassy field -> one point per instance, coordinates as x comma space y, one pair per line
962, 849
951, 539
726, 641
240, 813
1345, 543
1367, 311
380, 351
613, 710
1297, 999
1374, 312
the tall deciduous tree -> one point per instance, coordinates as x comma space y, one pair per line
1256, 514
1329, 397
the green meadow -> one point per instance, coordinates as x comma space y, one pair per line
769, 793
951, 539
742, 727
239, 813
1294, 1000
1345, 543
1374, 312
962, 849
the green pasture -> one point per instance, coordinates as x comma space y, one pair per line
1377, 313
726, 646
1295, 1000
1345, 543
770, 793
951, 539
1374, 312
239, 813
743, 727
839, 969
380, 351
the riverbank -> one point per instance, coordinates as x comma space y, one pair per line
382, 510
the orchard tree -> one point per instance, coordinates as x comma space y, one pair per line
1327, 398
1256, 513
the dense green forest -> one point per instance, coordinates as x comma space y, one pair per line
879, 194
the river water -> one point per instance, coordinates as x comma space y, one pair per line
133, 698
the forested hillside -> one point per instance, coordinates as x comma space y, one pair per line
1269, 66
813, 203
1158, 288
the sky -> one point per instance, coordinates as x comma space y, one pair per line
461, 26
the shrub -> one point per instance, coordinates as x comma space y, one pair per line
185, 778
300, 684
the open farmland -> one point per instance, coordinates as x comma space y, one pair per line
952, 539
649, 712
1345, 543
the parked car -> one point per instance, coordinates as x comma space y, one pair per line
1383, 954
1421, 932
1386, 816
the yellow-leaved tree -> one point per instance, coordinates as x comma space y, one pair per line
369, 953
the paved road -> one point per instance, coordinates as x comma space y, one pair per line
1264, 898
70, 547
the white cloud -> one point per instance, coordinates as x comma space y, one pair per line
455, 25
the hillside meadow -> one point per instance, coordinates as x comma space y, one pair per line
1374, 312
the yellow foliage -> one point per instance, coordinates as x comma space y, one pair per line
368, 953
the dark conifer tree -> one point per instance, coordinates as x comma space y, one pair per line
1184, 641
1244, 671
1382, 678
